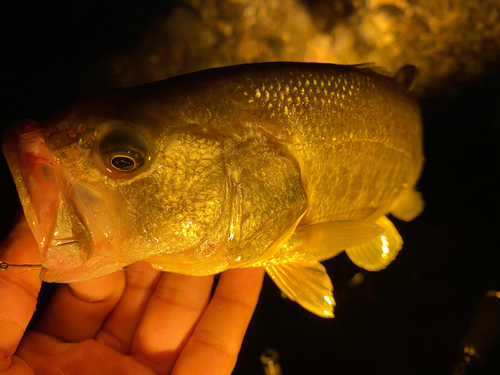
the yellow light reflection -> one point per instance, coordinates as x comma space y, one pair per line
385, 244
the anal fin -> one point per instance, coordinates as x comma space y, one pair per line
408, 205
377, 253
306, 283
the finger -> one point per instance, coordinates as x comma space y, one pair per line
18, 367
214, 346
47, 355
119, 329
169, 319
78, 310
18, 289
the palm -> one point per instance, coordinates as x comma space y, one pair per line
138, 321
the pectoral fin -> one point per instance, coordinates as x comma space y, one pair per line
377, 253
306, 283
317, 242
331, 238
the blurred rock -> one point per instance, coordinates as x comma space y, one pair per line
451, 42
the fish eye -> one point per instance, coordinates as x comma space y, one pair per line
124, 163
122, 150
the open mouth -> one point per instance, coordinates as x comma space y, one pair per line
74, 223
37, 168
32, 165
37, 175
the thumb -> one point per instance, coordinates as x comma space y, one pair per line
19, 288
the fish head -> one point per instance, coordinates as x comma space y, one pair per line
100, 193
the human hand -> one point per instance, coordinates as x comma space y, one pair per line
139, 321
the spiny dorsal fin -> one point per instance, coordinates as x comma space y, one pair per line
374, 68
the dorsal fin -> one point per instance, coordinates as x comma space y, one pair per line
406, 75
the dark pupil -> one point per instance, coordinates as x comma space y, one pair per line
123, 163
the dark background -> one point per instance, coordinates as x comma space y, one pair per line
408, 319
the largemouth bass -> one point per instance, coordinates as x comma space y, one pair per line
275, 165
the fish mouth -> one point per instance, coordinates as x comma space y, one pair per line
45, 188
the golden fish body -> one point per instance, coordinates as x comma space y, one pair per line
278, 165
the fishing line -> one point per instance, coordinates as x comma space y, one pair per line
4, 266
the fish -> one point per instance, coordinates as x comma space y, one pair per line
275, 165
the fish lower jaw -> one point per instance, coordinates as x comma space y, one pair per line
57, 242
63, 257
